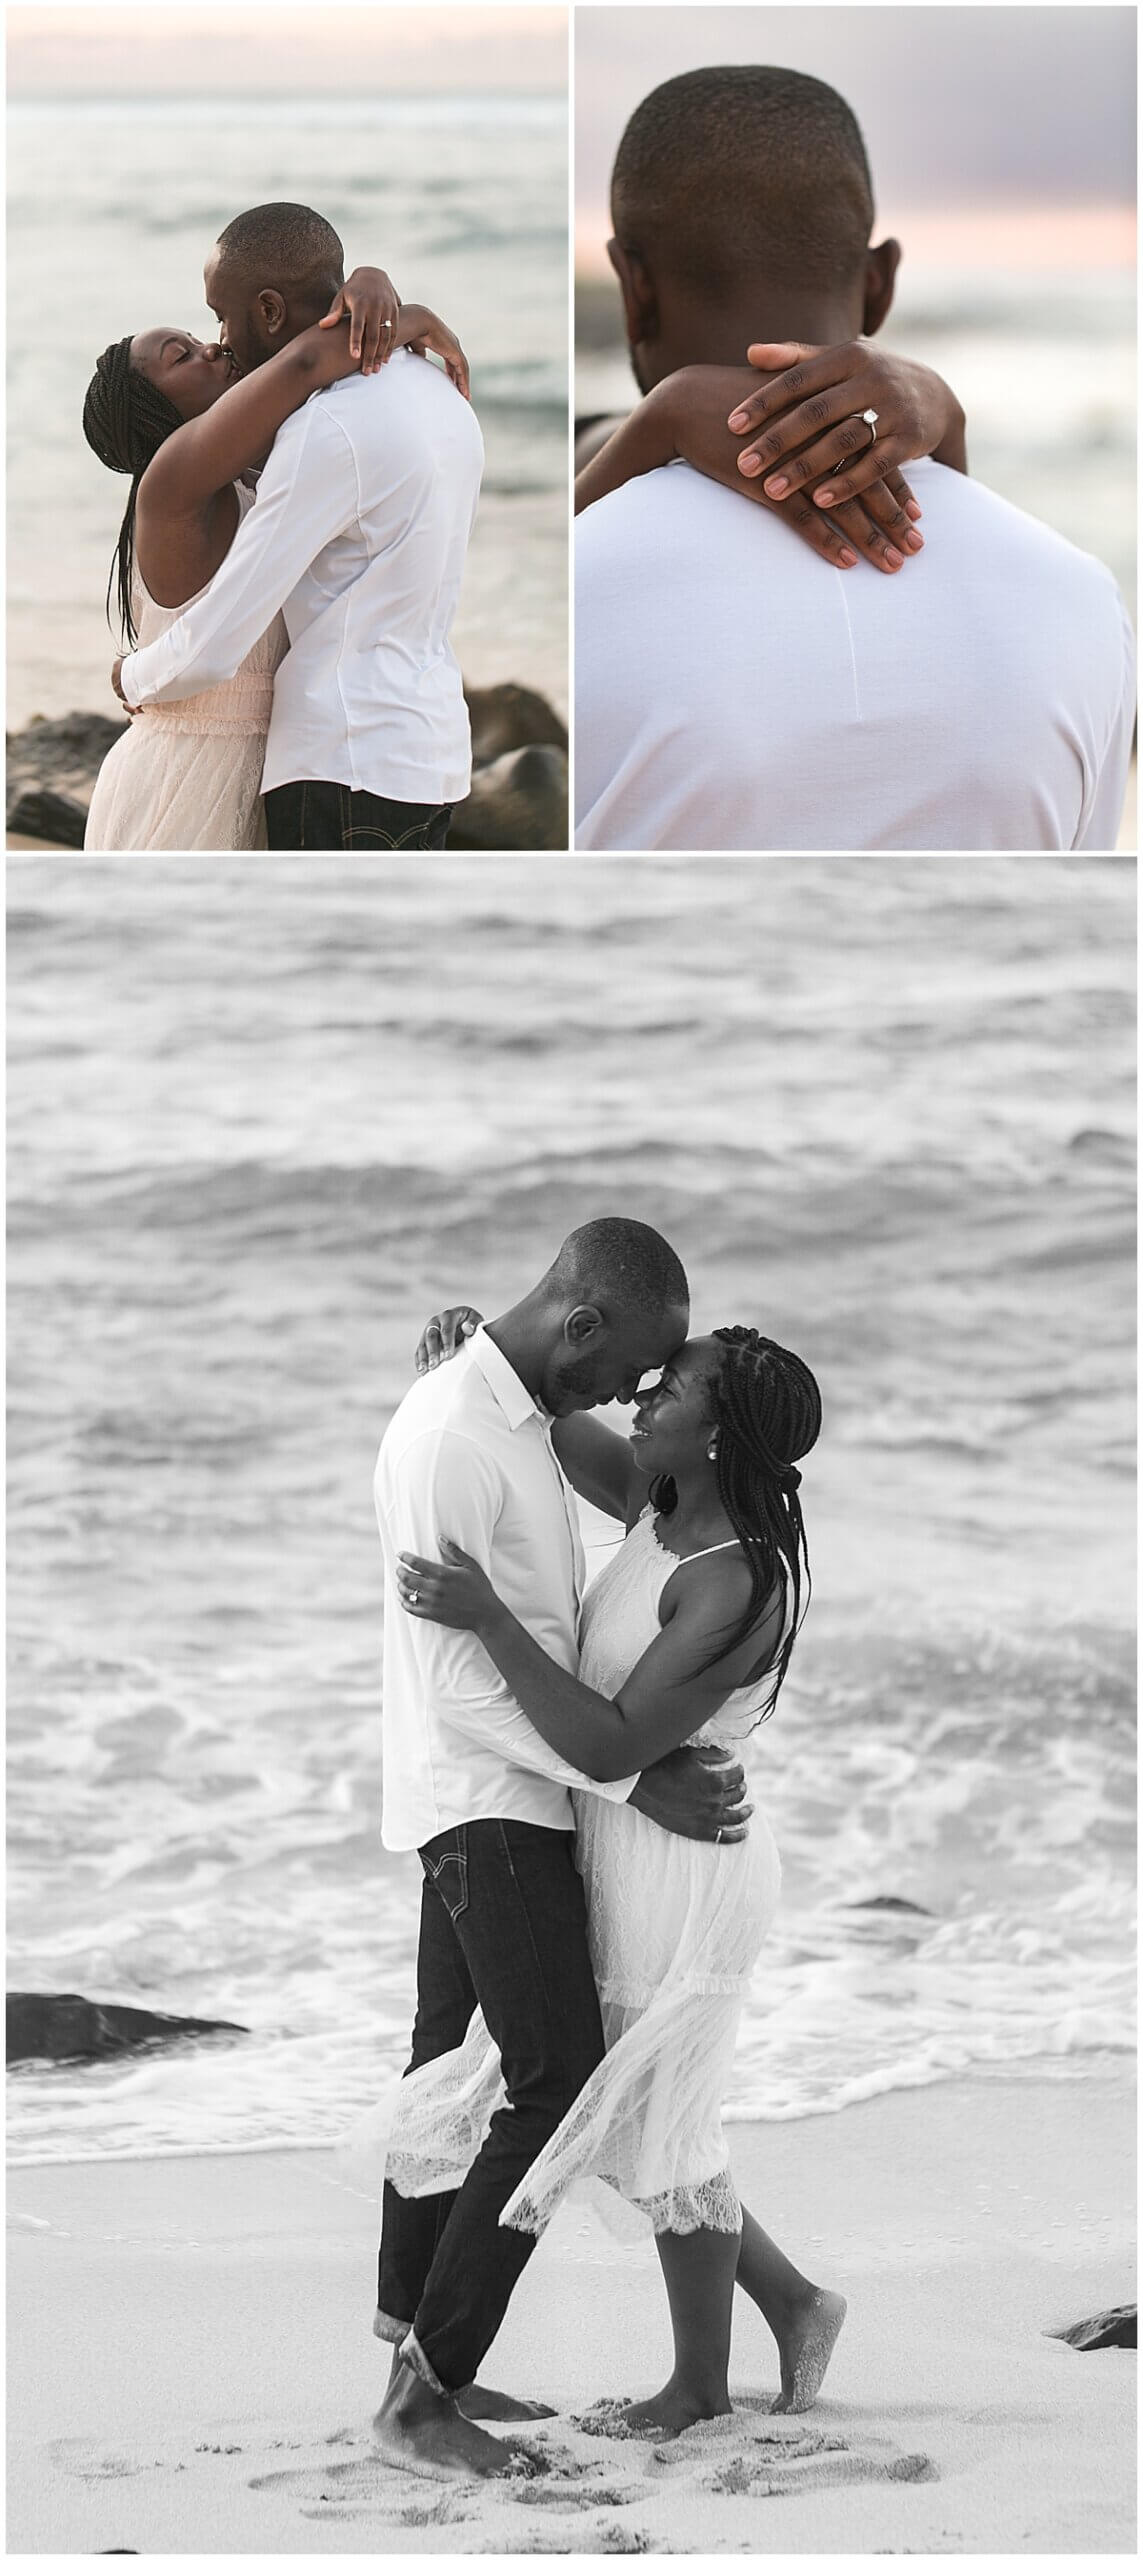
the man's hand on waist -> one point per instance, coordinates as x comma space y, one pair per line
698, 1791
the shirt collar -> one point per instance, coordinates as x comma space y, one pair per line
511, 1394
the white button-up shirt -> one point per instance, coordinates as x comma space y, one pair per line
734, 693
468, 1456
358, 534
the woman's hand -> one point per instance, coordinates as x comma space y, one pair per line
133, 710
372, 305
814, 402
443, 1335
453, 1593
420, 329
692, 406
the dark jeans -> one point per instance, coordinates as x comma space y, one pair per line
503, 1922
326, 817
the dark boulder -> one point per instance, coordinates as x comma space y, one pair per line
890, 1902
503, 716
1105, 2329
519, 804
47, 815
61, 2026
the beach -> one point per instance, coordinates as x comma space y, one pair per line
264, 1120
462, 199
197, 2374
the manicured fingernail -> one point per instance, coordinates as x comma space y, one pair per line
750, 463
777, 487
847, 559
738, 418
826, 497
896, 559
912, 509
915, 541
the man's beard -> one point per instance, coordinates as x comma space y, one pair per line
574, 1378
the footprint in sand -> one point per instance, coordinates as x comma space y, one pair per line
566, 2494
774, 2464
81, 2456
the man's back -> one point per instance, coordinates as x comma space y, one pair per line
733, 693
370, 692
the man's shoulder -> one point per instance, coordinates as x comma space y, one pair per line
451, 1402
408, 394
952, 499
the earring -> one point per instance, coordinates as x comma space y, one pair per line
712, 1452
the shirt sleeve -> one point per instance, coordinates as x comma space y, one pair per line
307, 494
1099, 826
444, 1486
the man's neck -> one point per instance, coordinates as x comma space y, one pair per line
515, 1334
692, 331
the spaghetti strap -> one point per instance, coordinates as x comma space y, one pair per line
706, 1551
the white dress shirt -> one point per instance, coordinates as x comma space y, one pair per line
359, 535
468, 1455
735, 694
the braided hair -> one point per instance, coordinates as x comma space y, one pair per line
126, 419
768, 1412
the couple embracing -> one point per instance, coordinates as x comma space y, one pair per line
595, 1886
289, 564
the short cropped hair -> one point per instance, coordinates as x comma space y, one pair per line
285, 245
622, 1266
741, 174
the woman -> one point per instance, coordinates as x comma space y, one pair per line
686, 1635
839, 485
177, 417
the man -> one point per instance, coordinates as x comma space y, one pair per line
732, 692
470, 1785
358, 534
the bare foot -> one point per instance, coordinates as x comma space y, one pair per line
805, 2348
670, 2411
417, 2429
479, 2402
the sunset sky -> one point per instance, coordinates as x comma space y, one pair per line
1007, 133
264, 46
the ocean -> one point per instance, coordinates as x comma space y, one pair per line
263, 1120
111, 211
1057, 439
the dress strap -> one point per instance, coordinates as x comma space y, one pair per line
706, 1551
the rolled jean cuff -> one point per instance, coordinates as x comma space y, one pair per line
414, 2354
385, 2326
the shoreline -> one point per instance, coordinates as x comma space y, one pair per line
195, 2370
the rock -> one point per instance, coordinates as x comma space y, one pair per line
1105, 2329
52, 765
61, 2026
519, 804
507, 715
890, 1902
48, 816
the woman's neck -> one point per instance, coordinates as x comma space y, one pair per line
698, 1518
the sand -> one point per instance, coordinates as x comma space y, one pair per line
192, 2368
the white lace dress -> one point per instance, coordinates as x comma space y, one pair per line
187, 776
675, 1929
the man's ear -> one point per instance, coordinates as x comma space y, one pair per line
581, 1325
880, 277
272, 311
640, 301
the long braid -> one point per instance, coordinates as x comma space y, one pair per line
768, 1410
125, 420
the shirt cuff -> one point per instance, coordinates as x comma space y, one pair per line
130, 690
